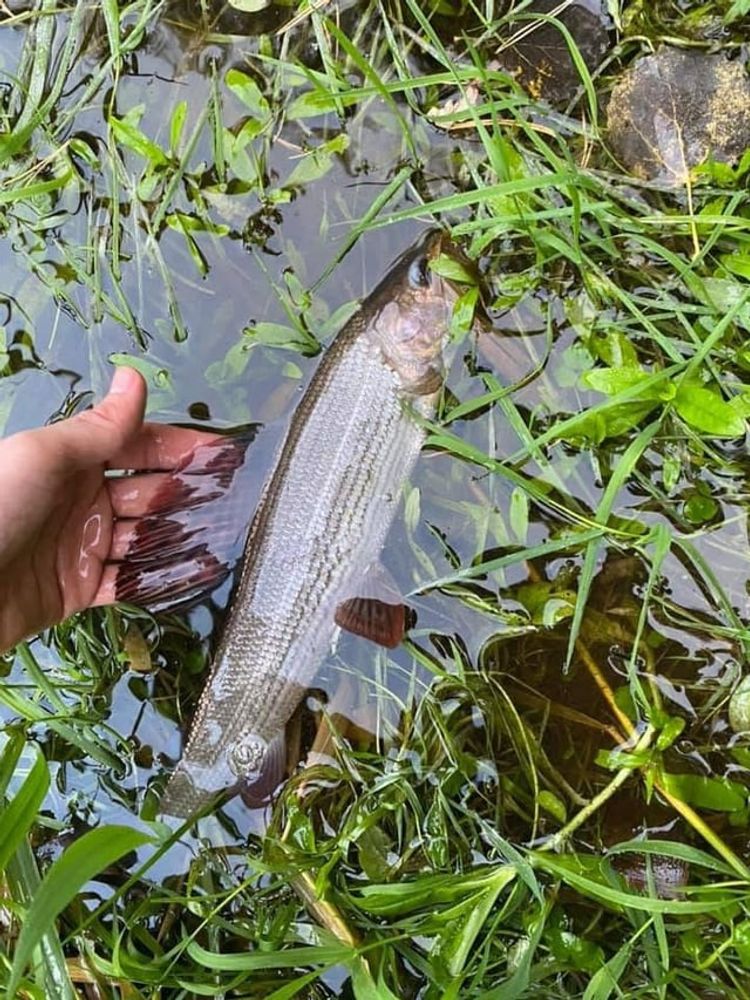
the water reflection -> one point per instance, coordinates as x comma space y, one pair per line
103, 272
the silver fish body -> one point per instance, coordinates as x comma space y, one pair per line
322, 521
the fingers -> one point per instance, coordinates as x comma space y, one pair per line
124, 535
106, 594
134, 496
93, 437
159, 446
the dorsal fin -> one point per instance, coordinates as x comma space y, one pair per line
194, 532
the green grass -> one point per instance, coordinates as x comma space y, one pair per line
575, 537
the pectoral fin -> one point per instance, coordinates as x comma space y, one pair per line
377, 611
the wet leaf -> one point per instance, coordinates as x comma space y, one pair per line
316, 163
699, 508
176, 126
741, 942
610, 421
519, 514
247, 90
465, 921
669, 732
707, 411
409, 896
127, 132
553, 805
453, 269
284, 337
16, 817
463, 311
365, 987
155, 374
605, 980
81, 861
718, 794
673, 109
614, 349
570, 948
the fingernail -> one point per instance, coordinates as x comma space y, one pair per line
124, 380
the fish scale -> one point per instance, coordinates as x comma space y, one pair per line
322, 520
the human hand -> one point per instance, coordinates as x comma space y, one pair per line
59, 513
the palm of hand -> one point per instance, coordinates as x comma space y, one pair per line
62, 520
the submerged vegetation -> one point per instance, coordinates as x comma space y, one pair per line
544, 791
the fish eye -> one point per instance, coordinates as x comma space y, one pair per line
419, 273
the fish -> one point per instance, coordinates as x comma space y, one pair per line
311, 561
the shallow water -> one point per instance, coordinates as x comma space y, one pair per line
64, 320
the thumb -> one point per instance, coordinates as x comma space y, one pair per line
94, 437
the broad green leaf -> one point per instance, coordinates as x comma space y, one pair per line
182, 222
609, 421
611, 381
155, 374
707, 411
553, 805
614, 349
453, 269
741, 942
317, 162
310, 104
247, 90
80, 862
284, 337
719, 794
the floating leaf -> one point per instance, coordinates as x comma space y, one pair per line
247, 90
519, 514
705, 410
317, 162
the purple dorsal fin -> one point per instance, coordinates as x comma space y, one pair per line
376, 609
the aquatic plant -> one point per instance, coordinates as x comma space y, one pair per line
544, 792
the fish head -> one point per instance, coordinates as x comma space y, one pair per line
411, 315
